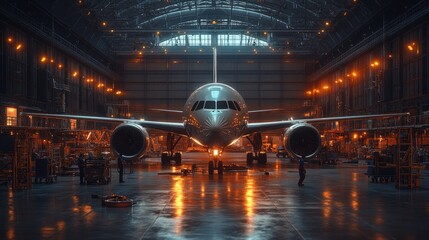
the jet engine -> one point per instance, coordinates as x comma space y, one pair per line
302, 139
130, 139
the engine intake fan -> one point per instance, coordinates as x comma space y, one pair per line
130, 139
302, 139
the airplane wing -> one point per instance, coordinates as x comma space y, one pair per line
178, 128
166, 110
264, 110
265, 126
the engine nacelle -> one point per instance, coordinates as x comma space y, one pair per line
130, 139
302, 139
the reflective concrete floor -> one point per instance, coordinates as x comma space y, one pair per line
335, 203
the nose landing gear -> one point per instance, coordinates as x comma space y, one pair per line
218, 165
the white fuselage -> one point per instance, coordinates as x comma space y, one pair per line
215, 115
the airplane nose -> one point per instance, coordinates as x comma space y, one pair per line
215, 125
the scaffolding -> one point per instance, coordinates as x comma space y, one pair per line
407, 171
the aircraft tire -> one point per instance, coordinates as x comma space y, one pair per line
249, 158
164, 159
220, 168
178, 158
211, 168
262, 159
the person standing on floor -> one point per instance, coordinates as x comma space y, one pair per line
121, 168
302, 171
81, 165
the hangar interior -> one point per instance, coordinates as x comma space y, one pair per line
125, 59
135, 59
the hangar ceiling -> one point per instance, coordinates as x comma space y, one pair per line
306, 27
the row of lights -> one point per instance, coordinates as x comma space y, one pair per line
374, 64
45, 59
18, 45
326, 87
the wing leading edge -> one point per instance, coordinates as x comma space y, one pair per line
175, 127
265, 126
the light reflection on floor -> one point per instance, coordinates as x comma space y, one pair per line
335, 203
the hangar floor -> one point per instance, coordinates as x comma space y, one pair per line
335, 203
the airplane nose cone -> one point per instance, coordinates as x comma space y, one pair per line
215, 125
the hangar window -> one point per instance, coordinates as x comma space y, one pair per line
210, 105
200, 40
239, 40
222, 105
11, 116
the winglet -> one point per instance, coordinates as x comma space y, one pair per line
214, 65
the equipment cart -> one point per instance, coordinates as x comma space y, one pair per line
97, 171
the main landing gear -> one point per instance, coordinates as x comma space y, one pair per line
170, 155
257, 153
216, 165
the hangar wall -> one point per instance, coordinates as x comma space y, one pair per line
39, 76
392, 76
167, 81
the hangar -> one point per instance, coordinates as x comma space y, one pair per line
142, 63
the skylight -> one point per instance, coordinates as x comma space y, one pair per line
206, 40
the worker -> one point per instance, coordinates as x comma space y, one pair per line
81, 165
302, 171
121, 168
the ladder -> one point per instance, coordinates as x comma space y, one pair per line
407, 173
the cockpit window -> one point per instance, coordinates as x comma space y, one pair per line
210, 105
237, 106
231, 105
194, 106
200, 105
222, 105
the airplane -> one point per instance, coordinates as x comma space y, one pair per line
215, 116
